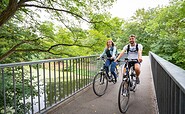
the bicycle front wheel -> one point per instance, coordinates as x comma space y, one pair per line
100, 84
123, 96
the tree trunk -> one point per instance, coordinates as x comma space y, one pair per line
8, 12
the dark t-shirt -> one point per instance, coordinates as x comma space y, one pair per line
108, 53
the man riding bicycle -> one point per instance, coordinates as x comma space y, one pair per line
134, 52
110, 51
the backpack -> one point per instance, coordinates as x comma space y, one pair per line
128, 48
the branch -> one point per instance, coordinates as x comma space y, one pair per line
68, 45
12, 50
49, 49
41, 50
31, 17
74, 14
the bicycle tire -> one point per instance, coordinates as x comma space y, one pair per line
100, 84
123, 100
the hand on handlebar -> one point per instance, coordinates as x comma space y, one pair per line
140, 60
112, 58
98, 58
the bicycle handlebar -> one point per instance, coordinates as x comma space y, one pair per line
104, 58
129, 60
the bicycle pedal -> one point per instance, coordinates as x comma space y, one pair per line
110, 79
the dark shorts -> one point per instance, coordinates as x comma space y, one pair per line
132, 63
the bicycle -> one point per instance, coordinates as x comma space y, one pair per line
128, 84
101, 79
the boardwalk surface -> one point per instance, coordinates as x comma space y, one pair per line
141, 102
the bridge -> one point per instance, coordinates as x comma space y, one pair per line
64, 86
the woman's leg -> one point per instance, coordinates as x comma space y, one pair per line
107, 63
113, 66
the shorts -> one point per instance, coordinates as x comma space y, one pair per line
132, 63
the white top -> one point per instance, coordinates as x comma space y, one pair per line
133, 54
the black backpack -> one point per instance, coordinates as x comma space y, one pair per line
128, 48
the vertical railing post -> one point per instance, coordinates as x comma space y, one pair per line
37, 67
55, 83
44, 81
31, 89
14, 87
59, 81
50, 86
23, 89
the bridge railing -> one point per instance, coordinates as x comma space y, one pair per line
169, 82
34, 87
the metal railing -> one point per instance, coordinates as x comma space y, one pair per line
34, 87
169, 82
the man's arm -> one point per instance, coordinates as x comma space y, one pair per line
140, 56
120, 55
140, 53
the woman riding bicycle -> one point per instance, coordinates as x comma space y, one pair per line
110, 51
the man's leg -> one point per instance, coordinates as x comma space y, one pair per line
137, 70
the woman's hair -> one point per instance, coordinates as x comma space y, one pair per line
107, 43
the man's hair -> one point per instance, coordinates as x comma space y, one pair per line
132, 35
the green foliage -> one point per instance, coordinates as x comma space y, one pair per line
160, 30
26, 37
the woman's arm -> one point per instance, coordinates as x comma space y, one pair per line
101, 55
114, 53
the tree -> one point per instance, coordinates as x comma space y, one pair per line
70, 14
24, 36
160, 30
78, 9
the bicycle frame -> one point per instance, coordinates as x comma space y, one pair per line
125, 87
129, 71
103, 67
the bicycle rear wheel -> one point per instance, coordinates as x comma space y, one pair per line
123, 96
100, 84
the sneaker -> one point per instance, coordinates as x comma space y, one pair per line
115, 79
137, 80
124, 92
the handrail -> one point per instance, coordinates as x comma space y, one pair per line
169, 82
42, 61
